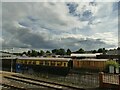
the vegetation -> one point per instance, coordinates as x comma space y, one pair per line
62, 51
111, 63
68, 52
80, 51
100, 50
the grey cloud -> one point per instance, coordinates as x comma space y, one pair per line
87, 44
23, 37
94, 44
41, 25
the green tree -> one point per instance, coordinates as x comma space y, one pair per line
34, 53
68, 52
54, 51
61, 51
24, 53
80, 51
42, 52
48, 52
94, 51
100, 50
29, 53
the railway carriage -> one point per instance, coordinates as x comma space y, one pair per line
50, 65
90, 64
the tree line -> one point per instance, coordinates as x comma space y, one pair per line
61, 51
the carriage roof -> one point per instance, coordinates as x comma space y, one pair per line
40, 58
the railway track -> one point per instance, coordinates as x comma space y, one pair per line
29, 82
50, 85
11, 87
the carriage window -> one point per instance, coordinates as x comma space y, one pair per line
34, 62
41, 62
18, 61
22, 61
52, 63
47, 63
65, 64
25, 62
59, 63
37, 62
29, 62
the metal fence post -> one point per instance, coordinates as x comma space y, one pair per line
101, 79
119, 82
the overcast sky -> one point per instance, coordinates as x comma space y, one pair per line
48, 25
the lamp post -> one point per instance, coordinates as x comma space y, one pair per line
12, 61
119, 58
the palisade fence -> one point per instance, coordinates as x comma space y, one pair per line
103, 81
111, 81
82, 80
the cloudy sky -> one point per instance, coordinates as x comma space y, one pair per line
49, 25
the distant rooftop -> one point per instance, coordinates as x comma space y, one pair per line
2, 54
113, 52
85, 55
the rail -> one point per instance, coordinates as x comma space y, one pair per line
34, 83
12, 87
52, 83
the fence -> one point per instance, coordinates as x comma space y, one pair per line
109, 81
82, 80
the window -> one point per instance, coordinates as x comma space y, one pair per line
41, 62
18, 61
29, 62
46, 63
34, 62
25, 62
37, 62
52, 63
59, 63
64, 64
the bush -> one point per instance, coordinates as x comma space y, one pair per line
111, 63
